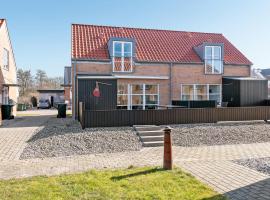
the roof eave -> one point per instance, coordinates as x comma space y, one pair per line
90, 59
238, 64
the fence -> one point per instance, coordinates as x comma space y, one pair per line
110, 118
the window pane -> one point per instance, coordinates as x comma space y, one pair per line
201, 89
5, 58
217, 52
217, 66
117, 49
186, 97
200, 92
208, 66
208, 52
215, 97
137, 89
127, 64
137, 99
122, 89
187, 89
187, 92
151, 99
214, 93
151, 89
122, 99
201, 97
127, 49
214, 89
117, 64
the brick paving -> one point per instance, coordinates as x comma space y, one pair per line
210, 164
15, 133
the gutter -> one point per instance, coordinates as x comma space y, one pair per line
170, 84
74, 92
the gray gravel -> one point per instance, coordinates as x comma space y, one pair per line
220, 134
259, 164
64, 137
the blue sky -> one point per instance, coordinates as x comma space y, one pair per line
40, 30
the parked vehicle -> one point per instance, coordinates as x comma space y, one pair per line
43, 103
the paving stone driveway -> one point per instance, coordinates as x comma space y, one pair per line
15, 133
210, 164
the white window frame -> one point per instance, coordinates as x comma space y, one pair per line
154, 94
213, 60
194, 92
123, 56
5, 52
192, 97
130, 95
125, 94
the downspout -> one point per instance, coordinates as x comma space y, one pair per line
74, 115
170, 76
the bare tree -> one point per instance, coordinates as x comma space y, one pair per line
41, 77
30, 84
25, 81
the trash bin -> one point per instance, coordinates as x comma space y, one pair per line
20, 107
7, 111
62, 108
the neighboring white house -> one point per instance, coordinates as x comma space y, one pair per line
8, 71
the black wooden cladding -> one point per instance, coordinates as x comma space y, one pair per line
111, 118
108, 94
244, 92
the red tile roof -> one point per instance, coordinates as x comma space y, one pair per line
90, 42
1, 22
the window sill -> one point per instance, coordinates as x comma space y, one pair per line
122, 72
213, 73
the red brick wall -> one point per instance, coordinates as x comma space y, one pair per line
181, 74
194, 74
67, 93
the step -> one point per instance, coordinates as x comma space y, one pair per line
150, 133
153, 144
143, 125
148, 128
152, 138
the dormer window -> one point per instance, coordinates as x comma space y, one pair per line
122, 56
213, 60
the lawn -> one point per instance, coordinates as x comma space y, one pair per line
133, 183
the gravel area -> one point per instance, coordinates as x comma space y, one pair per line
259, 164
220, 133
64, 137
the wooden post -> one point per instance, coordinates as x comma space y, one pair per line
167, 159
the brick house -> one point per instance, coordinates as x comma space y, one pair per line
8, 73
154, 67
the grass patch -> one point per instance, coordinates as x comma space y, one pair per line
133, 183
